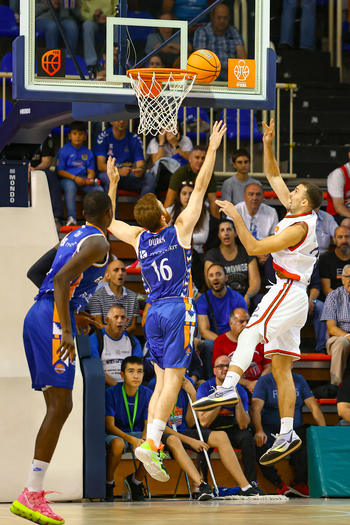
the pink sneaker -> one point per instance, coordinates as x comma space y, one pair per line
33, 506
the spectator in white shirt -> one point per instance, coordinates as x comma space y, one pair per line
259, 218
338, 196
325, 230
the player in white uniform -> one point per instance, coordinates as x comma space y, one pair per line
283, 310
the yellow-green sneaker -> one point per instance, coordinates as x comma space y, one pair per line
151, 457
33, 506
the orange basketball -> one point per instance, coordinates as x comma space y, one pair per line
206, 64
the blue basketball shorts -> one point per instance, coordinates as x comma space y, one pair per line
42, 339
170, 328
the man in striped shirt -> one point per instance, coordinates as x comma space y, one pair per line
336, 313
115, 292
221, 38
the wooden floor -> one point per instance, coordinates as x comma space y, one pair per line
292, 512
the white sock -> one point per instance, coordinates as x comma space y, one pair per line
134, 480
246, 488
149, 429
231, 380
37, 475
156, 432
286, 425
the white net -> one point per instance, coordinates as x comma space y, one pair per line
159, 101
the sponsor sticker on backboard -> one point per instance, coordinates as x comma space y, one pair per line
241, 73
51, 63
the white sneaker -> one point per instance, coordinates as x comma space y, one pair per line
220, 397
71, 222
284, 444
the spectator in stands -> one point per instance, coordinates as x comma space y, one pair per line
76, 167
266, 421
241, 268
113, 344
233, 188
206, 229
316, 309
325, 230
213, 309
115, 292
185, 10
226, 344
190, 172
42, 161
183, 436
220, 37
259, 218
126, 422
94, 14
126, 148
171, 51
336, 313
343, 402
68, 16
338, 196
168, 145
307, 25
331, 264
156, 61
232, 420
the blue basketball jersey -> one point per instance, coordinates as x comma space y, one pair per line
82, 289
165, 264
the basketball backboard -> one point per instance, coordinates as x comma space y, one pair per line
249, 83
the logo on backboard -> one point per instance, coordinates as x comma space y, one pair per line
51, 63
241, 73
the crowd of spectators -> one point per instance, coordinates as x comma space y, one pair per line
229, 282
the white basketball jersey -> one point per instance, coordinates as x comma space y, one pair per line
298, 263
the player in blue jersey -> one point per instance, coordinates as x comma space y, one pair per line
165, 256
49, 330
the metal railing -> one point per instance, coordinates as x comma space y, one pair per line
241, 4
338, 34
232, 145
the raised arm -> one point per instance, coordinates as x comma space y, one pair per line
120, 229
288, 238
271, 167
188, 218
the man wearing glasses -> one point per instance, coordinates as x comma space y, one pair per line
226, 344
233, 420
336, 313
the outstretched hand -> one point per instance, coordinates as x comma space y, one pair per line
112, 170
219, 130
228, 208
269, 132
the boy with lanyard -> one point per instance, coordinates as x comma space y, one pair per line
126, 420
180, 436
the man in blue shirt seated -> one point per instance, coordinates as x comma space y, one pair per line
266, 420
232, 420
179, 436
213, 309
113, 344
126, 421
126, 148
76, 168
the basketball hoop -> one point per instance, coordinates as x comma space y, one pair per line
160, 93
